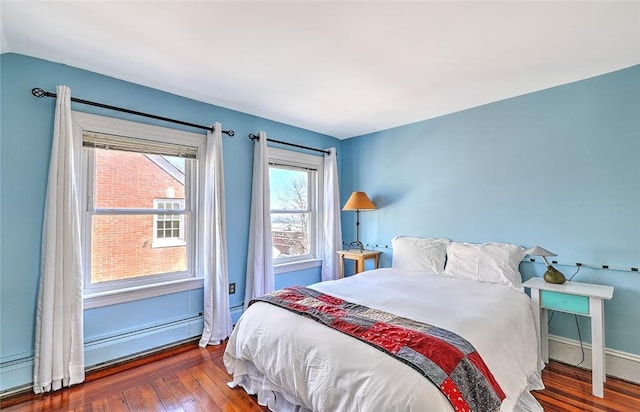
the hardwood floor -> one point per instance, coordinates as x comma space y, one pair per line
569, 389
187, 378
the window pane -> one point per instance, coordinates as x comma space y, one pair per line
121, 248
288, 189
132, 180
290, 234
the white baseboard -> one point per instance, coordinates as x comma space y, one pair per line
620, 364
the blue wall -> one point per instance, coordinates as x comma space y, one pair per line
26, 130
557, 168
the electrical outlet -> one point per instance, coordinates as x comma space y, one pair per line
232, 288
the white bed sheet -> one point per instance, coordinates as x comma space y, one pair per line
294, 363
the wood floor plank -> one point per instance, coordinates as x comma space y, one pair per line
115, 403
552, 404
195, 379
215, 393
133, 399
166, 395
98, 406
569, 388
187, 401
150, 397
199, 394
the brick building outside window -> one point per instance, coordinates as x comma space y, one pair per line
125, 246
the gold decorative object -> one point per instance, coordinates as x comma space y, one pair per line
552, 275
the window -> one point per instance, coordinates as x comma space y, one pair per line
140, 186
168, 230
296, 193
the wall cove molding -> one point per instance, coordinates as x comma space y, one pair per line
620, 364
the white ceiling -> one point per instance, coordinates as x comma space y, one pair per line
339, 68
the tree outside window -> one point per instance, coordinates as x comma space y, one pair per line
290, 212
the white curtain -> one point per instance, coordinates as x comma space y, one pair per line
59, 346
217, 315
260, 279
332, 226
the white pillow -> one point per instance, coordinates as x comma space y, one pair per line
488, 262
414, 253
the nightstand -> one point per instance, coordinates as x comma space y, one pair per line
584, 299
359, 258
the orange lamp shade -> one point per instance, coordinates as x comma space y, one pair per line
359, 201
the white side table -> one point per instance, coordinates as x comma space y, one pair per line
583, 299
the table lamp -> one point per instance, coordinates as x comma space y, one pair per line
358, 201
552, 275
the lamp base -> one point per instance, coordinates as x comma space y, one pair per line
358, 244
553, 275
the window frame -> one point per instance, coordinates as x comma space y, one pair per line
315, 199
126, 290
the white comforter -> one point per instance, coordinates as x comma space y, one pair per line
294, 363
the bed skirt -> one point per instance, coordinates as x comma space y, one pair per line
247, 376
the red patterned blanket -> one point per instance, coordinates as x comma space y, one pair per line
443, 357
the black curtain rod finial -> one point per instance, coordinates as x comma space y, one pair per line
255, 136
40, 93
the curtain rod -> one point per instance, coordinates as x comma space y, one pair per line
40, 93
255, 136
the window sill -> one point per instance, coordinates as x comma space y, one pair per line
296, 266
97, 300
168, 243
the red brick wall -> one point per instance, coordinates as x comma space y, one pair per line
121, 246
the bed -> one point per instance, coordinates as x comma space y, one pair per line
294, 363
